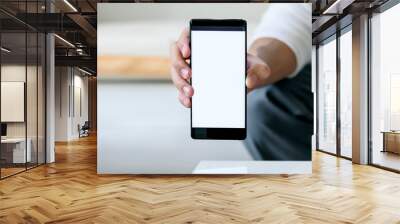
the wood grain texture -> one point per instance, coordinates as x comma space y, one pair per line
133, 67
70, 191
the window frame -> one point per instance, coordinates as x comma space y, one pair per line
378, 10
334, 37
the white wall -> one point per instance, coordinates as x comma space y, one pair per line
62, 81
79, 117
12, 73
67, 116
13, 101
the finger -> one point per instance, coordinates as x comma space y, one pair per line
185, 101
258, 75
188, 91
183, 43
250, 61
251, 80
178, 63
181, 84
178, 81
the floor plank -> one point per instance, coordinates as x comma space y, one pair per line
70, 191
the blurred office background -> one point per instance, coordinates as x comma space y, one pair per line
142, 126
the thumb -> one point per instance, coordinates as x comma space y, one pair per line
183, 43
250, 61
258, 73
251, 80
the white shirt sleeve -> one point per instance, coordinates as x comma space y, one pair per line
291, 24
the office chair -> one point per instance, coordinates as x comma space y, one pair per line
84, 130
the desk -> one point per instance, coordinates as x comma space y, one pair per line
16, 151
391, 141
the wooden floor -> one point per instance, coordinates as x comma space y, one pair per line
70, 191
5, 172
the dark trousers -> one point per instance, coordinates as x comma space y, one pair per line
280, 119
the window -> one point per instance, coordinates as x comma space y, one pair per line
346, 93
314, 90
385, 89
327, 96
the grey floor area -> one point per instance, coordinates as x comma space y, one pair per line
386, 159
143, 129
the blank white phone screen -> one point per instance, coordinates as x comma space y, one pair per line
218, 60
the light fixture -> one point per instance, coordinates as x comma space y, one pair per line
337, 7
70, 5
331, 7
65, 41
79, 51
5, 50
84, 71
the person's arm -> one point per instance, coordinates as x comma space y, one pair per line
281, 48
281, 44
269, 60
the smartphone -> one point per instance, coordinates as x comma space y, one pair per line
218, 63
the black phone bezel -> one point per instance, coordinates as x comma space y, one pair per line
220, 25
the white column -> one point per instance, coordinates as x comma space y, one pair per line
50, 98
50, 92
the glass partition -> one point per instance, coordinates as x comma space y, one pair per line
327, 96
22, 78
31, 99
32, 87
14, 153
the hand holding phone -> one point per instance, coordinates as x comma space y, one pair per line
180, 68
258, 72
219, 108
